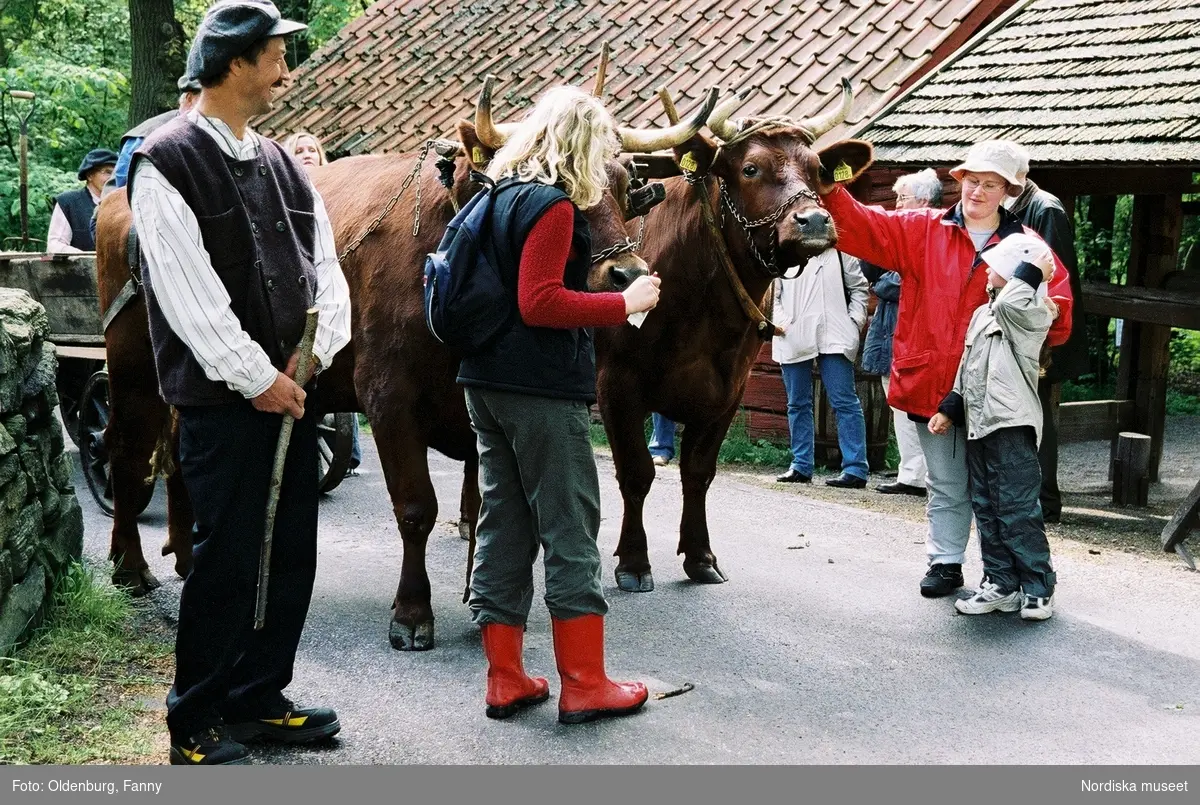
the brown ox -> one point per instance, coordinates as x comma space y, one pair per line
691, 358
393, 369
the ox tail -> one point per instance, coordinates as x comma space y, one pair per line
162, 461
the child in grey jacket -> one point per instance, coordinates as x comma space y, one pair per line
995, 398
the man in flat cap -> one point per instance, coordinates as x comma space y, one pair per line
236, 246
189, 93
70, 223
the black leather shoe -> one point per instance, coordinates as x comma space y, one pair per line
283, 722
847, 481
211, 747
941, 580
1051, 517
897, 488
794, 477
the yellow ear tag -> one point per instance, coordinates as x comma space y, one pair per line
842, 172
477, 155
688, 163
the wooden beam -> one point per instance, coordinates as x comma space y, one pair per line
1167, 308
1092, 420
1184, 519
1112, 180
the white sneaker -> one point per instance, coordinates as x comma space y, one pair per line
988, 598
661, 461
1037, 609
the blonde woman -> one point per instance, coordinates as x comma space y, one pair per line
528, 397
306, 149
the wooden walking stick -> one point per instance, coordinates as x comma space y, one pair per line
303, 372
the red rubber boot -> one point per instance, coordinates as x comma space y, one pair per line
509, 689
587, 692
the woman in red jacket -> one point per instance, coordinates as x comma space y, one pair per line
937, 254
528, 397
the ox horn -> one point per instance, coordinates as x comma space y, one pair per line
646, 141
718, 121
822, 123
601, 71
491, 134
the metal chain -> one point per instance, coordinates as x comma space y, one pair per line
416, 171
768, 263
627, 246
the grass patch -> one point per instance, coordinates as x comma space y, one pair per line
74, 693
738, 448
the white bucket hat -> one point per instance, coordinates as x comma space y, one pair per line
1002, 157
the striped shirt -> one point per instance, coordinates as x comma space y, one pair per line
191, 295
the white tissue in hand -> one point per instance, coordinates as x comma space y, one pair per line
636, 319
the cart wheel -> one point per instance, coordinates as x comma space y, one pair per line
334, 444
73, 375
93, 455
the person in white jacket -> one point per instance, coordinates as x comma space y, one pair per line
822, 313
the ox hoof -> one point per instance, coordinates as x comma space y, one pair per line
464, 530
136, 582
704, 572
411, 638
183, 561
630, 582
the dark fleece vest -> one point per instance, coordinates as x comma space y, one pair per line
542, 361
78, 206
257, 225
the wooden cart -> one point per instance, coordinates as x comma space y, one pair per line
65, 284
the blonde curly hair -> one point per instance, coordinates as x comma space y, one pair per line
564, 140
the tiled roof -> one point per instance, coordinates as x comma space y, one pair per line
406, 70
1075, 81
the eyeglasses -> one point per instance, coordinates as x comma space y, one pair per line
971, 185
903, 198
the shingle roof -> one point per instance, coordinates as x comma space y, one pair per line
1075, 81
407, 70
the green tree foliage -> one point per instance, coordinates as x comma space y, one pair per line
74, 54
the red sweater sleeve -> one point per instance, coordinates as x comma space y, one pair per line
541, 296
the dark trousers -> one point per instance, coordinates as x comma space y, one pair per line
1002, 469
1048, 451
539, 490
223, 668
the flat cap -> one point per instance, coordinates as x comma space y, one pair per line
188, 84
228, 29
94, 159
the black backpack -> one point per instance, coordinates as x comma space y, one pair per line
467, 305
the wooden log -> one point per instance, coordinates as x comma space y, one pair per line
1186, 517
1131, 469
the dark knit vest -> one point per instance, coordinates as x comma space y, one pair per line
257, 225
78, 206
542, 361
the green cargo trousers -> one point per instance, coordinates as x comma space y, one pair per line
537, 478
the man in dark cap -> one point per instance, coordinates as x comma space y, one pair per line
236, 246
70, 223
189, 93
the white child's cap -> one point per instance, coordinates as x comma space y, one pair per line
1005, 256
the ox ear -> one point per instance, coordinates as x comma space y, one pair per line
478, 154
696, 155
846, 160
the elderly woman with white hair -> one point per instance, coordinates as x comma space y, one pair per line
528, 396
938, 255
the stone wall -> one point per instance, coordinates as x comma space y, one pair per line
41, 525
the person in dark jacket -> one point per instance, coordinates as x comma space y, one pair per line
189, 93
528, 396
236, 247
914, 191
70, 223
1044, 213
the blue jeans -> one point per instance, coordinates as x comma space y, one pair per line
837, 375
356, 448
662, 438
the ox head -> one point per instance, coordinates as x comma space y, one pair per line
615, 264
769, 175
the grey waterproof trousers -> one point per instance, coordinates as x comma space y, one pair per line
1005, 481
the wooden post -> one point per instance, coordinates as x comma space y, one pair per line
1145, 358
1131, 470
